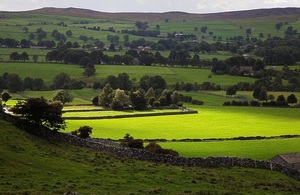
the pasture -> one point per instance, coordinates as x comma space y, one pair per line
170, 74
30, 165
212, 121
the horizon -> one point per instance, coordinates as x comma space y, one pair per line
153, 6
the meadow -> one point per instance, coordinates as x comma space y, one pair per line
30, 165
170, 74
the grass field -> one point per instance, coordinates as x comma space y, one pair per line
212, 121
255, 149
171, 75
30, 165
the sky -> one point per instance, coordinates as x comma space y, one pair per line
191, 6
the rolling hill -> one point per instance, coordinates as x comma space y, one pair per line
169, 15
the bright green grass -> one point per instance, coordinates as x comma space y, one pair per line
30, 165
255, 149
210, 122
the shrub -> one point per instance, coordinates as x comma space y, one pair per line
156, 148
227, 103
197, 102
130, 142
84, 131
255, 103
75, 132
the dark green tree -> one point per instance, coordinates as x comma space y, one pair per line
5, 97
138, 100
35, 58
292, 99
14, 83
63, 96
231, 90
106, 96
61, 81
40, 112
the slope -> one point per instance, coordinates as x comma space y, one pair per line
30, 165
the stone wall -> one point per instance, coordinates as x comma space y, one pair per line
112, 148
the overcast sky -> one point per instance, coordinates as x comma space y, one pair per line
192, 6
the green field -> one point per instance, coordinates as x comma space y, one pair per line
30, 165
171, 75
255, 149
212, 121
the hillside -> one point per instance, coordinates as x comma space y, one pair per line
174, 16
30, 165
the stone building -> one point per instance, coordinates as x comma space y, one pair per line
290, 160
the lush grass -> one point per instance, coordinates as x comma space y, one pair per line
30, 165
171, 75
255, 149
210, 122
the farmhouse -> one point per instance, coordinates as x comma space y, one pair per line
291, 160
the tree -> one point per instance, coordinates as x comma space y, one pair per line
123, 81
106, 96
89, 70
256, 92
14, 83
231, 90
292, 99
41, 112
14, 56
63, 96
24, 56
203, 29
263, 94
120, 100
83, 132
61, 81
69, 33
35, 58
138, 100
130, 142
281, 98
5, 97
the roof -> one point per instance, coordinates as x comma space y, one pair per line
291, 158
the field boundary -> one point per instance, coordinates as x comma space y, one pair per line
241, 138
133, 115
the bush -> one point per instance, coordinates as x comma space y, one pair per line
255, 103
84, 131
75, 132
156, 148
197, 102
130, 142
227, 103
